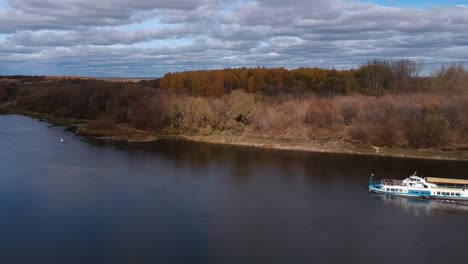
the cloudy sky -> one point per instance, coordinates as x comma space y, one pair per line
147, 38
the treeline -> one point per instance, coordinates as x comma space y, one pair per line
373, 78
416, 120
21, 78
376, 78
383, 103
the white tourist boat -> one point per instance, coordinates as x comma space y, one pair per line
415, 186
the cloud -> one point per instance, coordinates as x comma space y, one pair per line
95, 36
142, 37
68, 14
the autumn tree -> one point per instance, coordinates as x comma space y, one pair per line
334, 84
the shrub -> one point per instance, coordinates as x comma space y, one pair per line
388, 132
431, 131
100, 123
191, 114
350, 107
7, 91
150, 112
197, 114
219, 107
322, 113
241, 107
359, 132
451, 110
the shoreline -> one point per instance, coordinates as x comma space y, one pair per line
122, 133
331, 147
125, 133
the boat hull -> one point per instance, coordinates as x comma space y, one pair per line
434, 197
378, 191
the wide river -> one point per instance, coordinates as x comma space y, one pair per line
88, 201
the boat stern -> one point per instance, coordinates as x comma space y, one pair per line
374, 186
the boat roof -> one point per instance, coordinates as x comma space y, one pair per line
446, 180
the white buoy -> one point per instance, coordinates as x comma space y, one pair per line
61, 140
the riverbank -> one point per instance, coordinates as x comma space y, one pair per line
73, 122
128, 134
80, 126
321, 146
120, 132
125, 133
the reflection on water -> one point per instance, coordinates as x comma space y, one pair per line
184, 202
419, 206
241, 162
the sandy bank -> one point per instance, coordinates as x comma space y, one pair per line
340, 147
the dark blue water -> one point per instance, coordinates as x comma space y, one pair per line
88, 201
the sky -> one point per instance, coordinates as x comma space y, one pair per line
148, 38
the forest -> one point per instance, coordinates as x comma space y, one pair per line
386, 103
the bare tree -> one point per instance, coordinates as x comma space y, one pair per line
374, 76
451, 78
403, 74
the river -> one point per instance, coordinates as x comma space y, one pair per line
87, 201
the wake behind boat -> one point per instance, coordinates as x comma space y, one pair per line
415, 186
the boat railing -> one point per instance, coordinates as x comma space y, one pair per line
390, 182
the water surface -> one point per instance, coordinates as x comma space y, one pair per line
88, 201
